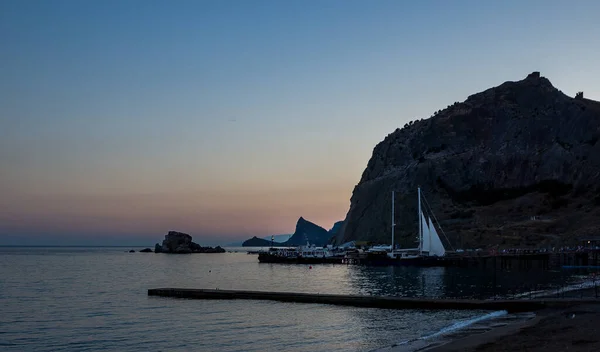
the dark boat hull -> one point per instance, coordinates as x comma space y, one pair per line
271, 258
370, 260
424, 261
392, 262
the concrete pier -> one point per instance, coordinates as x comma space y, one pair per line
525, 305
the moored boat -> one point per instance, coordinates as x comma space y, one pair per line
302, 255
430, 251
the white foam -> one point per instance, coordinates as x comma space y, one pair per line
464, 323
422, 342
550, 292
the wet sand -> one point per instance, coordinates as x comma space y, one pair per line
575, 329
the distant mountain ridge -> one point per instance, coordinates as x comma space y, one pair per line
305, 231
259, 242
279, 238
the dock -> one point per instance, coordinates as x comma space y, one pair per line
505, 261
387, 302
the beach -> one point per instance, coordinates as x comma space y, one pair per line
573, 329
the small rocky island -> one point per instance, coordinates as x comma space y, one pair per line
181, 243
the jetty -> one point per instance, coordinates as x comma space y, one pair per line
388, 302
505, 261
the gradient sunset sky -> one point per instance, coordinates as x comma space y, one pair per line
121, 120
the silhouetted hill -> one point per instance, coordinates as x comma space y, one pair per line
336, 227
278, 238
259, 242
305, 232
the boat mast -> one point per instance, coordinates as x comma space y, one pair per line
420, 224
393, 221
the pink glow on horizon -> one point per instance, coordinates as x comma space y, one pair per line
229, 216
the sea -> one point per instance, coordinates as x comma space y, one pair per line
95, 299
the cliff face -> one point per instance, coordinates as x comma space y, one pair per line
487, 166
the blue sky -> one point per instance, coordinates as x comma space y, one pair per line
228, 119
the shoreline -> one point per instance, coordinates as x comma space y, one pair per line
571, 329
515, 335
493, 323
475, 341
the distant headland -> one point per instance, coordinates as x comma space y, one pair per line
305, 231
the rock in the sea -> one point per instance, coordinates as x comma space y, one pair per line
216, 249
146, 250
177, 242
515, 165
132, 251
181, 243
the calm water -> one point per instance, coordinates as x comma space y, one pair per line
93, 299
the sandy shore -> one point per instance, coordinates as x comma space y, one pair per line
553, 329
574, 329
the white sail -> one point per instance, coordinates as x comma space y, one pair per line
436, 245
425, 242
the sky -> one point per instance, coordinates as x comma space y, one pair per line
122, 120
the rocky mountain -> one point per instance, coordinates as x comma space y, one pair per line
514, 165
336, 227
181, 243
307, 231
259, 242
278, 238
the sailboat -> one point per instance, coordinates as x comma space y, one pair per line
430, 243
430, 246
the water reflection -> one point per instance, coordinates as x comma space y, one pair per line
96, 299
453, 282
79, 299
